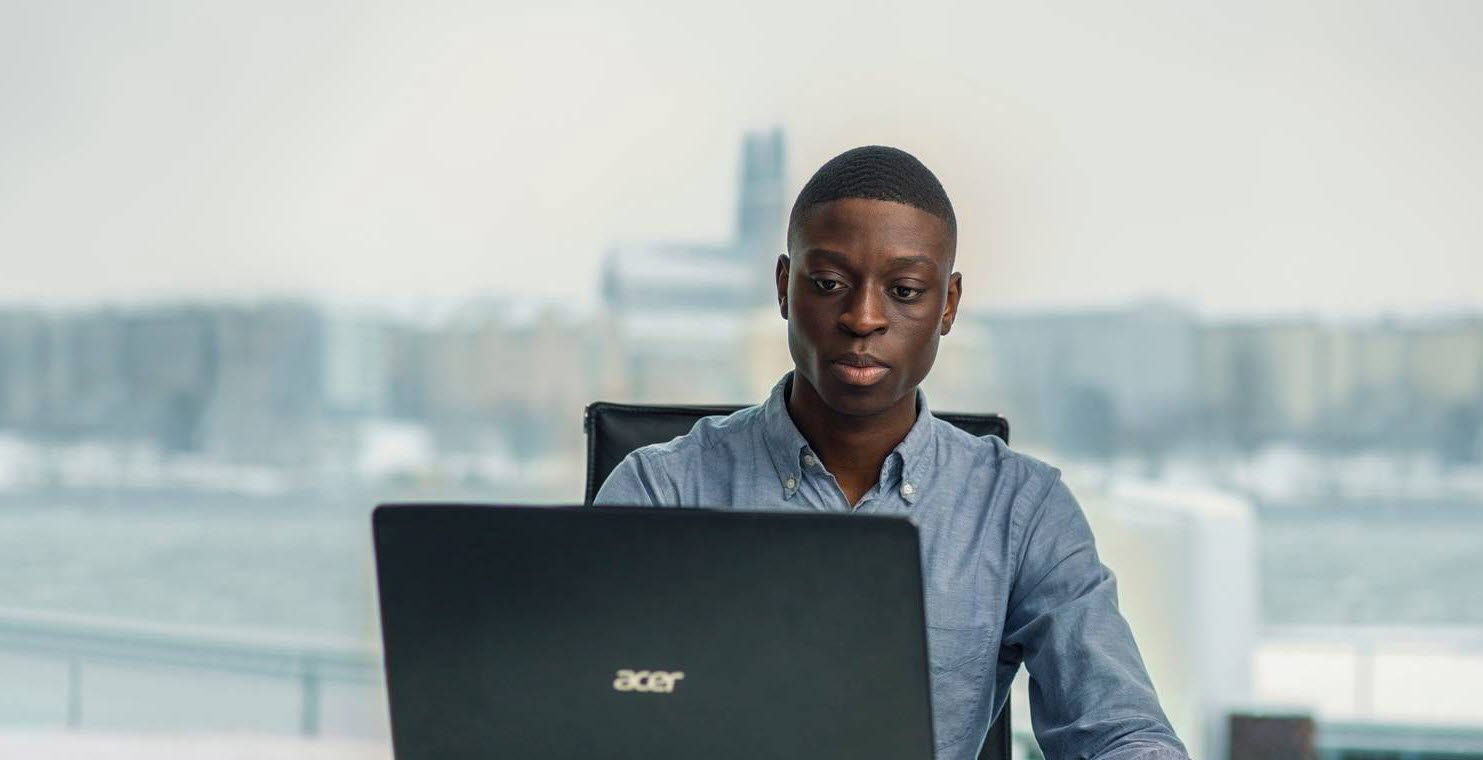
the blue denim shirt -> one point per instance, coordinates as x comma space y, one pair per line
1009, 569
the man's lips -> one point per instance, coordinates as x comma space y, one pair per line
859, 369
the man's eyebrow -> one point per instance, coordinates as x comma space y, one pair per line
902, 262
833, 257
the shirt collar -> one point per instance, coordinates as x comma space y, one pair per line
787, 447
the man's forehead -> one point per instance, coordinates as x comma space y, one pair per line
888, 259
886, 231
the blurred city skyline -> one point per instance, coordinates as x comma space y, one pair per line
295, 382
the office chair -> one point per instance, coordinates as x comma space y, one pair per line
614, 430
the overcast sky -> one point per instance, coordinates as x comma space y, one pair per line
1253, 157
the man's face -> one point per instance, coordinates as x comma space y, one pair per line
867, 292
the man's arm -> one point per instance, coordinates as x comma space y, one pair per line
1090, 695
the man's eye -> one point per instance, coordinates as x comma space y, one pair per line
904, 293
827, 285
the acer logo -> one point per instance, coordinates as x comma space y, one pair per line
653, 681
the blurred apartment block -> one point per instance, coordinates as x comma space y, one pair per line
297, 385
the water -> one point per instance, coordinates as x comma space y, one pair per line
303, 564
288, 566
1374, 567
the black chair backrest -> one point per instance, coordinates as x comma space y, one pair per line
614, 430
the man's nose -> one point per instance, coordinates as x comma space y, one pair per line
865, 313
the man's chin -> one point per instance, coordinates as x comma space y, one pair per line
849, 399
856, 400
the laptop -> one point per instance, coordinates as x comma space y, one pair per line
617, 632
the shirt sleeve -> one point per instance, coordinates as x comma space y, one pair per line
1090, 694
635, 482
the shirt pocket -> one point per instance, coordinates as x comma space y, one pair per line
957, 659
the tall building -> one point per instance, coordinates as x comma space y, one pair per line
762, 204
355, 364
23, 340
267, 400
680, 312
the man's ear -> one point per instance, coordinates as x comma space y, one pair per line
950, 311
781, 275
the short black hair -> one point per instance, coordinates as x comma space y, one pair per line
877, 172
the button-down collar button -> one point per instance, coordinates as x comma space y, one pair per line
791, 483
907, 489
809, 460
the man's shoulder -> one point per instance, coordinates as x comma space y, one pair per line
720, 430
666, 474
993, 457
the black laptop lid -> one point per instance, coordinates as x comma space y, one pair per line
516, 632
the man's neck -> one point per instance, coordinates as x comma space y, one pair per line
851, 447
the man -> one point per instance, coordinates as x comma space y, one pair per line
1009, 568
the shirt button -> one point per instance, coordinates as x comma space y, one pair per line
809, 460
907, 489
790, 483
